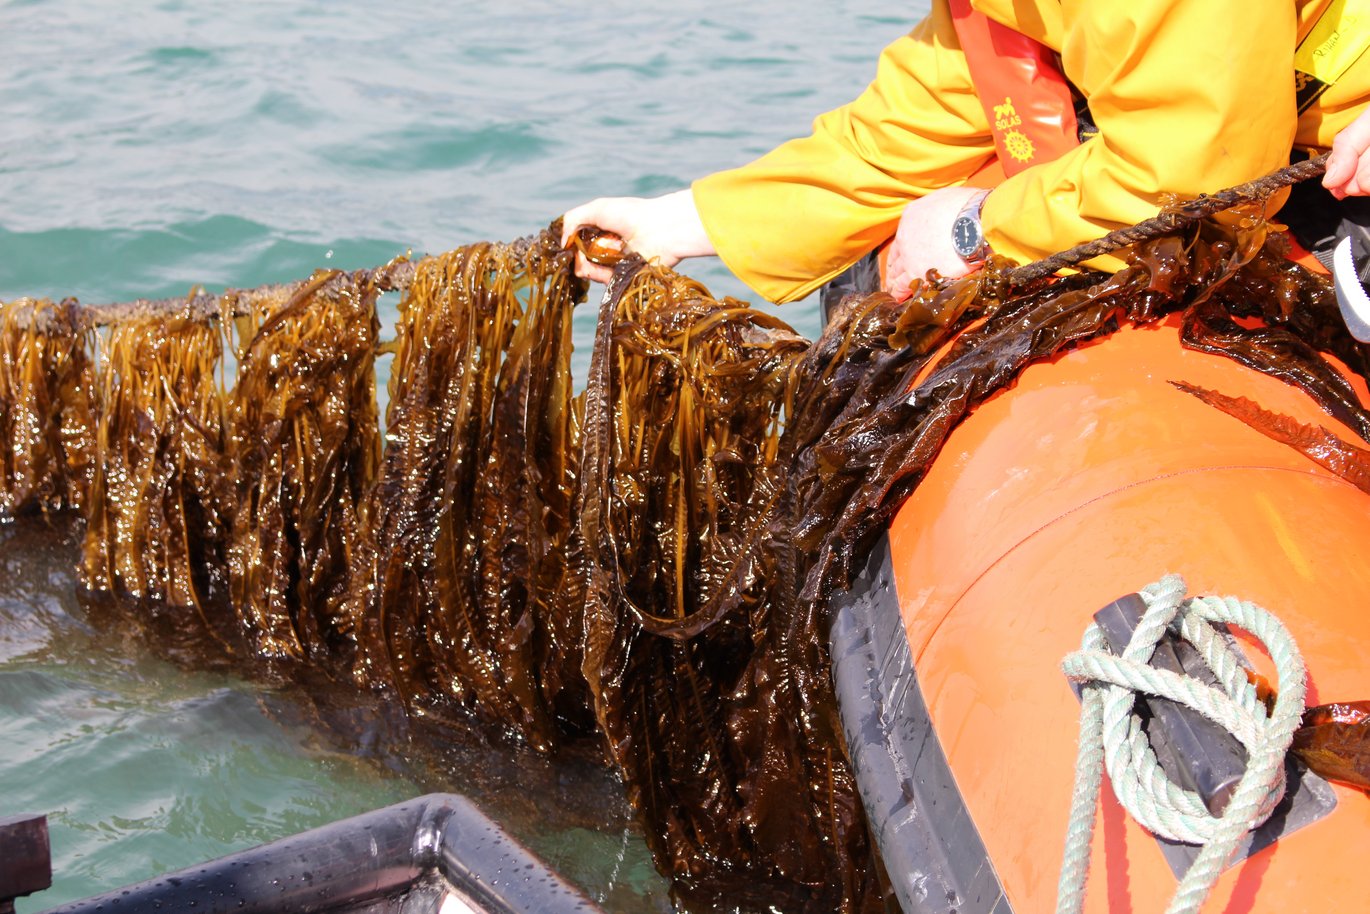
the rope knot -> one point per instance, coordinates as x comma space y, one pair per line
1112, 736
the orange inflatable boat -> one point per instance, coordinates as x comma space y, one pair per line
1091, 478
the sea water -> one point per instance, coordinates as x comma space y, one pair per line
147, 148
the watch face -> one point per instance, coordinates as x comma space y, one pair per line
965, 236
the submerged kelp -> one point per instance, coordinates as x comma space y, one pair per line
649, 561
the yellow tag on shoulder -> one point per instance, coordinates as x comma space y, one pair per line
1338, 39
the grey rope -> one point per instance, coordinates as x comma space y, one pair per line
1111, 736
1171, 219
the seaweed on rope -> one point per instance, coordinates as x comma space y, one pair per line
46, 408
645, 563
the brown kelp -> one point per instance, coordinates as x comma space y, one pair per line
646, 563
471, 517
301, 447
683, 409
46, 408
155, 526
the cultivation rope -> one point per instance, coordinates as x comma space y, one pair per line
1172, 219
1111, 734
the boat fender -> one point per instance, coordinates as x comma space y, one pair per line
928, 842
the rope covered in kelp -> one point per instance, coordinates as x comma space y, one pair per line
393, 277
1172, 219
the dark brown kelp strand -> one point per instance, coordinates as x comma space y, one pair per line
1319, 444
1279, 320
303, 445
471, 514
47, 418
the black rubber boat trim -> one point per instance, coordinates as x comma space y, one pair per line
430, 846
931, 849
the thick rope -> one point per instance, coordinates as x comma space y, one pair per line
1111, 736
1171, 219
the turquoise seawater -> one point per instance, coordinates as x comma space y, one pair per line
147, 148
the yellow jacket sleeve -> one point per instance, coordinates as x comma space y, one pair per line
801, 214
1188, 97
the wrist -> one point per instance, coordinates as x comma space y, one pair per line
967, 233
687, 235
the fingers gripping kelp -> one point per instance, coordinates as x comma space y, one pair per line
647, 562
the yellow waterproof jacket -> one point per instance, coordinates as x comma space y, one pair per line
1188, 95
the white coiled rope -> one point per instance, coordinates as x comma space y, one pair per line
1111, 734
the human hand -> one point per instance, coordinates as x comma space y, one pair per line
1348, 167
923, 240
664, 229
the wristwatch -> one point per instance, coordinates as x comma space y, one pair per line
967, 238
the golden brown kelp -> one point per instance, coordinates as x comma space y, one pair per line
301, 455
156, 523
47, 418
472, 511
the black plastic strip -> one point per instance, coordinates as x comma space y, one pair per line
411, 855
930, 846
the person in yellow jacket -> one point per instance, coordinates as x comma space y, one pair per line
1188, 97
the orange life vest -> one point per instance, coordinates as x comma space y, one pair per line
1027, 99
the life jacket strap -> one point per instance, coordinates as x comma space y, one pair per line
1027, 98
